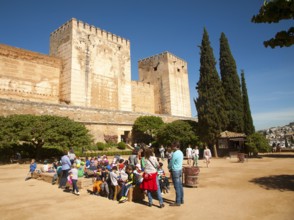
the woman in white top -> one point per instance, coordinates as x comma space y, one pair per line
207, 155
150, 181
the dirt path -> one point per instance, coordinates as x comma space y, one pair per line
257, 189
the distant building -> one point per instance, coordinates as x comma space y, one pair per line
230, 141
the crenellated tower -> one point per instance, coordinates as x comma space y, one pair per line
169, 76
96, 66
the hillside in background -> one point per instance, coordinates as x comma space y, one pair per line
282, 135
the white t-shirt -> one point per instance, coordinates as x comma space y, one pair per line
74, 173
150, 165
195, 152
45, 167
207, 153
189, 152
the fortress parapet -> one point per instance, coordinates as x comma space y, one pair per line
91, 29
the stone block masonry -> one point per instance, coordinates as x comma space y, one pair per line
87, 77
26, 75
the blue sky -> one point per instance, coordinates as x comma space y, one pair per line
155, 26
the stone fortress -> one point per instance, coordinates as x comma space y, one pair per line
87, 77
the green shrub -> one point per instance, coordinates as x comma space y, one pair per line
100, 146
121, 145
107, 153
257, 143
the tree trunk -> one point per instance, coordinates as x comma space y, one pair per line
38, 151
215, 151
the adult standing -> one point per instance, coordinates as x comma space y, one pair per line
195, 156
71, 155
189, 154
65, 166
207, 155
133, 158
169, 154
161, 151
150, 178
175, 167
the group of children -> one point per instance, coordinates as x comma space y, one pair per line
112, 180
121, 174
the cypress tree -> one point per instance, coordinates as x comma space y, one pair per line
231, 85
248, 122
210, 104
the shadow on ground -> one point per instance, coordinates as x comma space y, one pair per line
277, 182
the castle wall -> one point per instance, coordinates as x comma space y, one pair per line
154, 70
26, 75
61, 47
99, 122
87, 77
169, 76
99, 65
142, 97
179, 86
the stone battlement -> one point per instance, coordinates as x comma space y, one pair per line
91, 29
161, 55
143, 84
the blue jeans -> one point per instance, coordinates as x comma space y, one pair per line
125, 189
75, 186
149, 193
63, 178
177, 181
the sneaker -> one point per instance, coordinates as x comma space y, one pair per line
77, 193
122, 198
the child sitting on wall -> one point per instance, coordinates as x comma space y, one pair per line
57, 174
127, 184
97, 183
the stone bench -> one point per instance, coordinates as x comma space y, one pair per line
47, 177
135, 194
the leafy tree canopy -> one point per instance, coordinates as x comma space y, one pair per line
44, 130
257, 143
145, 129
274, 11
181, 131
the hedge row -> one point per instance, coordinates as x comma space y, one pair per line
107, 153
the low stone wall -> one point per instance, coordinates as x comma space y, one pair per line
83, 183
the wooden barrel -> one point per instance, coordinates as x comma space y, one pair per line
191, 176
